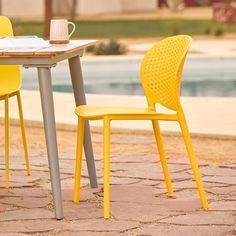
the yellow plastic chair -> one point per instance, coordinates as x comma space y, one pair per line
161, 71
10, 83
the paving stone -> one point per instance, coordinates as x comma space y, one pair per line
148, 182
135, 158
129, 210
69, 183
121, 180
217, 171
133, 194
145, 171
171, 230
26, 202
100, 225
223, 205
86, 194
24, 192
201, 218
190, 184
220, 179
139, 205
20, 176
12, 234
83, 233
21, 184
30, 226
82, 210
5, 207
181, 204
185, 161
41, 175
228, 190
152, 218
26, 214
229, 166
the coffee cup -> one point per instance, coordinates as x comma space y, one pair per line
59, 32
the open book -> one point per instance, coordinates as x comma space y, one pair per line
22, 42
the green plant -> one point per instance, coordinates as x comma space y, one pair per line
218, 31
113, 47
207, 30
90, 48
202, 3
175, 29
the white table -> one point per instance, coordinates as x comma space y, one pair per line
43, 59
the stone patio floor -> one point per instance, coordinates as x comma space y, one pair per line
139, 206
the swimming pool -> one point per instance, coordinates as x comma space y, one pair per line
120, 75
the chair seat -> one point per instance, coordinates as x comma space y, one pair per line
119, 112
10, 92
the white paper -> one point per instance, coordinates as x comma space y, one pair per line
24, 42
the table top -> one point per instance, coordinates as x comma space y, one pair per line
50, 51
46, 56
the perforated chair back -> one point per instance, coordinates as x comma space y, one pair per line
10, 78
161, 71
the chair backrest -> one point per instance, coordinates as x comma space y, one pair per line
10, 78
161, 71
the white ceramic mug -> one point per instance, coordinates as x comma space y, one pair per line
59, 32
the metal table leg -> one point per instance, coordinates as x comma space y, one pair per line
78, 87
45, 85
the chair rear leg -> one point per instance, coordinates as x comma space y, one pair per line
193, 161
160, 147
23, 133
79, 151
106, 142
7, 140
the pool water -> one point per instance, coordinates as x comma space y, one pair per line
120, 75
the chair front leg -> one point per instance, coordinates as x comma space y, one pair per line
23, 132
106, 150
79, 151
160, 147
193, 161
7, 140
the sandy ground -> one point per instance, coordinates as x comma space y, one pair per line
214, 150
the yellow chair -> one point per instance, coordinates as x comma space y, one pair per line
161, 71
10, 83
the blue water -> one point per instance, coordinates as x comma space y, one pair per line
201, 77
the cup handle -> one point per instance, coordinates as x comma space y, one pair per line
73, 30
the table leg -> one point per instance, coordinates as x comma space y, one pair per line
45, 85
78, 88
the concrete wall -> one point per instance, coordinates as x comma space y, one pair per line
23, 8
138, 5
34, 9
98, 7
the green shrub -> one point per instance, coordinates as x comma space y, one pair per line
203, 3
207, 30
175, 29
113, 47
218, 31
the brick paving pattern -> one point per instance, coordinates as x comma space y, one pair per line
139, 206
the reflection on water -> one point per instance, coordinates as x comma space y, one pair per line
200, 88
201, 77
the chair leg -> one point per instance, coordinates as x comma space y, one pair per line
106, 141
79, 151
7, 141
160, 147
23, 133
193, 161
